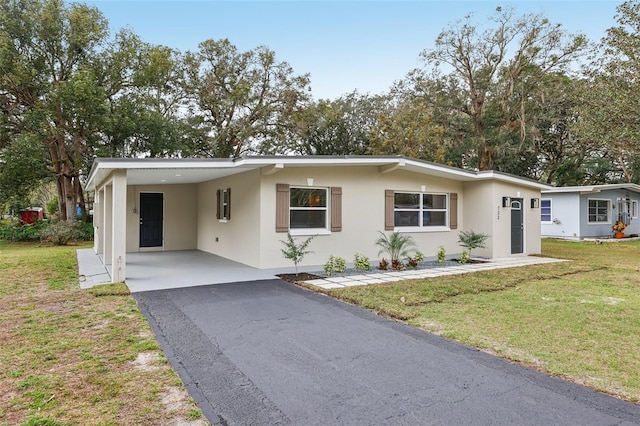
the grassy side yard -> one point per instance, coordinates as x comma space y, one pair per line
579, 320
70, 356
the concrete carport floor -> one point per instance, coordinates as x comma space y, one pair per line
172, 269
269, 352
159, 270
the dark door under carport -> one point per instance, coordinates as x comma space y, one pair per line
151, 219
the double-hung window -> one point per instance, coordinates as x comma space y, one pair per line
420, 210
599, 211
545, 210
308, 208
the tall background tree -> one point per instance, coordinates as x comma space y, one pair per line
48, 91
478, 81
609, 108
240, 100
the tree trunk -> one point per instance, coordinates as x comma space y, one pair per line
485, 161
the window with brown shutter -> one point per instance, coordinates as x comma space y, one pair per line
336, 209
282, 207
453, 210
389, 216
223, 204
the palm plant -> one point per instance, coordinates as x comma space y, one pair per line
396, 245
471, 240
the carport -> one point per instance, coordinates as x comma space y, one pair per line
147, 271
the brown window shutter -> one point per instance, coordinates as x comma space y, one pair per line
218, 204
282, 207
389, 216
336, 209
453, 210
228, 203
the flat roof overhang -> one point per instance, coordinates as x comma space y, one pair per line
153, 171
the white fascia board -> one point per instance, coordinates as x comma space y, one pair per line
108, 164
490, 174
317, 161
590, 189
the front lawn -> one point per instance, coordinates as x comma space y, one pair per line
579, 320
69, 356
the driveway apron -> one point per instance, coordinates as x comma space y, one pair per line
268, 352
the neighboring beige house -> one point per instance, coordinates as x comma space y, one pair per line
242, 208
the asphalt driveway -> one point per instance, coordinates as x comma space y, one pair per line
268, 352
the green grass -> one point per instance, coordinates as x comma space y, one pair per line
68, 357
578, 320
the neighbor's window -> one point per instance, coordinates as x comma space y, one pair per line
545, 210
634, 209
599, 211
420, 210
308, 208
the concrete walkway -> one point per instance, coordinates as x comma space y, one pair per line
91, 270
378, 277
177, 269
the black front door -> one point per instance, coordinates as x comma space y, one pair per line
517, 228
151, 217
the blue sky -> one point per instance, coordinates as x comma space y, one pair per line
343, 45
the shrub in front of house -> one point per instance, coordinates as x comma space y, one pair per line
335, 265
361, 263
383, 265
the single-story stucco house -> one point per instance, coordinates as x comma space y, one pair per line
242, 208
577, 212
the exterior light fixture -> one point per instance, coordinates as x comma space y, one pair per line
506, 201
535, 203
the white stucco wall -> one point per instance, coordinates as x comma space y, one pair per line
238, 238
363, 199
484, 213
180, 216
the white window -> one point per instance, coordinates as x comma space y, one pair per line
599, 211
545, 210
308, 208
634, 209
420, 210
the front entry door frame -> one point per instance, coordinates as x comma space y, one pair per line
517, 225
151, 222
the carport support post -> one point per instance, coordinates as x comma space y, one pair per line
119, 225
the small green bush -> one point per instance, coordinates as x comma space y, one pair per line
419, 256
295, 251
464, 257
59, 233
13, 231
361, 263
335, 265
442, 254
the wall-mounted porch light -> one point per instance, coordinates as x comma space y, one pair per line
506, 201
535, 203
